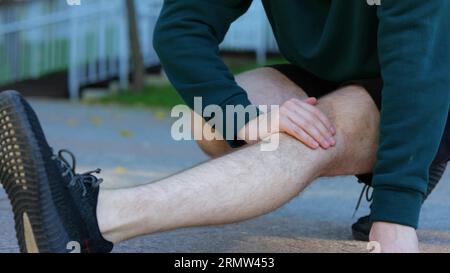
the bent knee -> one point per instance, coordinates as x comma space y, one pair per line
210, 143
214, 148
356, 118
352, 110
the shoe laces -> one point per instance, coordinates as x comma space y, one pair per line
368, 194
85, 180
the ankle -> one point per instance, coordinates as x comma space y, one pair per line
105, 217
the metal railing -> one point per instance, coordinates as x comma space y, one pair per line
252, 32
90, 41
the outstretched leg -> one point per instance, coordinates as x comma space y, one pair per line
246, 183
59, 210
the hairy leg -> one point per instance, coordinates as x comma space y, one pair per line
248, 182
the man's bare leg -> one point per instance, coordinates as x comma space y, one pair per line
248, 182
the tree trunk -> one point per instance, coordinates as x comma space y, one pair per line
135, 47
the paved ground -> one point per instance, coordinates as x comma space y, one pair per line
133, 146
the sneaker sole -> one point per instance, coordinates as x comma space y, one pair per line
24, 178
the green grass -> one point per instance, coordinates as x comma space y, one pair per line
238, 64
158, 95
163, 94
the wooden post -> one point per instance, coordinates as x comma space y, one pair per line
135, 46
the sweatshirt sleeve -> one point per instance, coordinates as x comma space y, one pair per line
414, 55
186, 39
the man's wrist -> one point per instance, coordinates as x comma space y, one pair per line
394, 237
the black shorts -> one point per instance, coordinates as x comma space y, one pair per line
317, 87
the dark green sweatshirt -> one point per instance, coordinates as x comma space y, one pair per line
407, 42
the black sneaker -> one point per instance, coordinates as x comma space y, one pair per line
361, 229
84, 190
47, 219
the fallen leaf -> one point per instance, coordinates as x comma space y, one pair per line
72, 122
120, 170
126, 133
96, 121
160, 115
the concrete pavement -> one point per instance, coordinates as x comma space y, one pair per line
133, 146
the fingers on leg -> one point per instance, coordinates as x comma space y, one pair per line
264, 86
